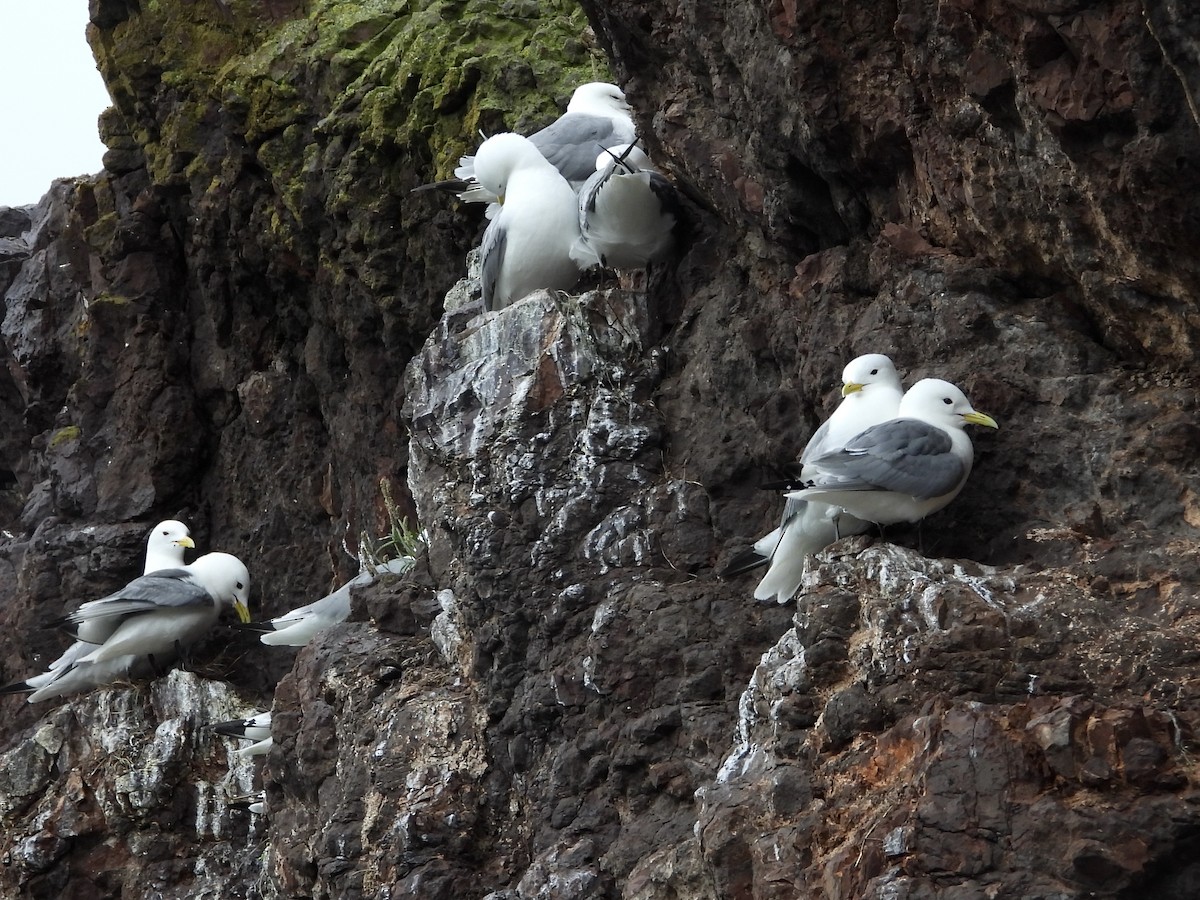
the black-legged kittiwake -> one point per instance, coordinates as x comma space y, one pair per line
871, 392
162, 611
527, 245
255, 728
627, 212
297, 627
165, 547
903, 469
597, 117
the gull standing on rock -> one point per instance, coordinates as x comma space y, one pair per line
871, 392
527, 245
906, 468
165, 546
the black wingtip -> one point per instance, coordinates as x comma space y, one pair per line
449, 186
746, 561
18, 687
252, 627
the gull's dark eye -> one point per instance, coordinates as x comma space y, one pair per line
947, 401
874, 371
239, 585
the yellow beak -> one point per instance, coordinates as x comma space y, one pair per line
978, 418
850, 387
186, 542
243, 612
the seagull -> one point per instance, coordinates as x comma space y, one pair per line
871, 392
597, 117
527, 245
297, 627
143, 624
159, 612
906, 468
165, 546
627, 212
255, 728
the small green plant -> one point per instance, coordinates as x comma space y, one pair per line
402, 542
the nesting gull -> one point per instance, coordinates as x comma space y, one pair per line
597, 117
297, 627
145, 623
165, 546
253, 803
906, 468
162, 611
527, 245
627, 212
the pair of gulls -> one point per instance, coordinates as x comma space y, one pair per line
885, 456
577, 194
145, 625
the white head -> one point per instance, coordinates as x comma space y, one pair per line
165, 545
598, 98
941, 403
226, 579
863, 371
501, 155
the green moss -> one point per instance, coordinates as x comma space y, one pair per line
336, 107
110, 300
65, 436
100, 234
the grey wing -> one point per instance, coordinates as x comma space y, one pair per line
491, 257
791, 509
573, 141
166, 587
906, 456
816, 444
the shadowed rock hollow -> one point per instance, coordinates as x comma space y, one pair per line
241, 323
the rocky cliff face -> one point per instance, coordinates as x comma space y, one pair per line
241, 323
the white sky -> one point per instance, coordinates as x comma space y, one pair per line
50, 96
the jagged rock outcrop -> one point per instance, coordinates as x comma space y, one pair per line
241, 323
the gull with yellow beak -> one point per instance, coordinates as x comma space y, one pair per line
142, 627
597, 117
871, 392
906, 468
165, 546
159, 612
